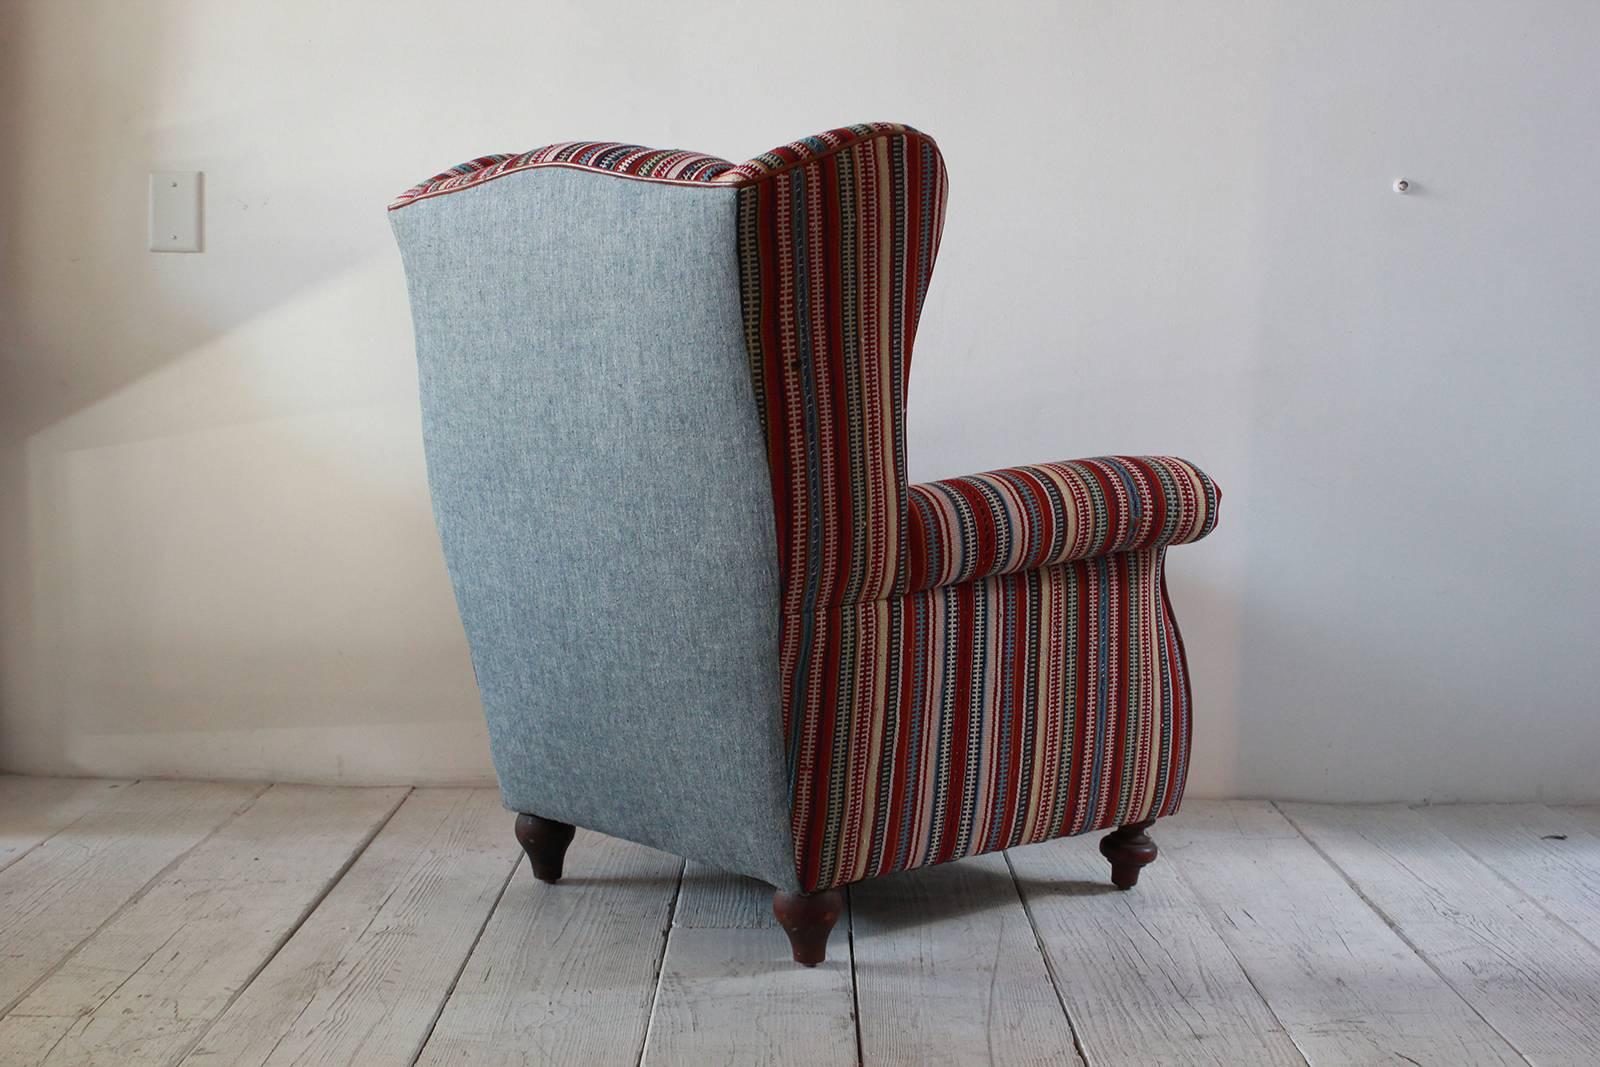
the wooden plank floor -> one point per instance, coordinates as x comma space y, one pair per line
195, 923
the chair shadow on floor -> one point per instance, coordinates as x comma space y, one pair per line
958, 890
954, 891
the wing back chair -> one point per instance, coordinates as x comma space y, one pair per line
664, 403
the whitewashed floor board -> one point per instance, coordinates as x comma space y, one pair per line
726, 998
1520, 967
34, 809
1342, 983
241, 925
948, 971
363, 979
143, 987
1143, 975
1551, 854
63, 890
565, 973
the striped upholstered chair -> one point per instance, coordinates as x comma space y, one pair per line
664, 403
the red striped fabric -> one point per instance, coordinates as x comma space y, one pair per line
610, 157
672, 165
1025, 517
966, 665
978, 716
835, 257
808, 148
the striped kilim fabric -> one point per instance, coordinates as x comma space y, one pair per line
807, 148
978, 716
1025, 517
968, 664
627, 160
835, 256
637, 161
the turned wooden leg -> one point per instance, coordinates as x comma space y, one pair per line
1128, 848
545, 841
808, 919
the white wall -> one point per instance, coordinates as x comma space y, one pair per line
1171, 229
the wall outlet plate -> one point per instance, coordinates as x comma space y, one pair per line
175, 211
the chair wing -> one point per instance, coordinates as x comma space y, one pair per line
837, 239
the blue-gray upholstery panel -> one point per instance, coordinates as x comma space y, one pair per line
600, 484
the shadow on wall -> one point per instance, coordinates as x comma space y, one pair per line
1207, 611
92, 310
216, 548
219, 583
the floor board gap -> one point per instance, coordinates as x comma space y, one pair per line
661, 962
1305, 1054
466, 957
855, 986
131, 901
338, 877
1049, 968
1390, 923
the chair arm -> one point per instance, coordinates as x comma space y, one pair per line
1023, 518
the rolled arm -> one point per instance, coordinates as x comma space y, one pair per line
1022, 518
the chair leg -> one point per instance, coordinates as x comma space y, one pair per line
545, 841
808, 919
1128, 848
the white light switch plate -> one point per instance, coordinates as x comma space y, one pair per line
175, 211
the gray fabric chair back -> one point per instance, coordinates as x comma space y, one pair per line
601, 489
